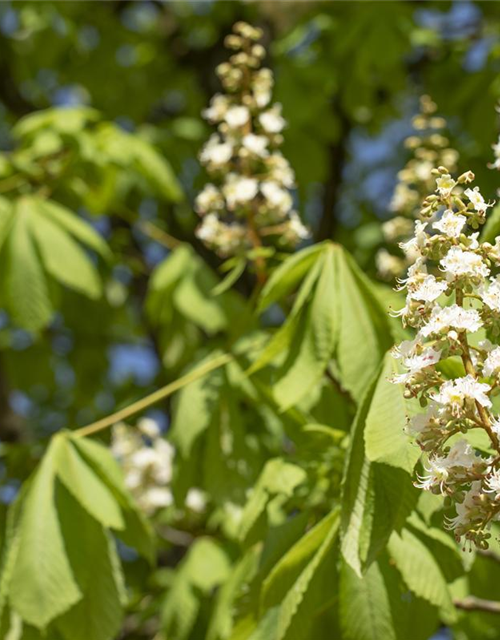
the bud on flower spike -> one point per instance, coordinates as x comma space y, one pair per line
430, 150
248, 204
453, 291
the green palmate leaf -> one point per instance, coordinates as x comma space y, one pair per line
92, 494
96, 567
23, 272
335, 315
376, 498
385, 439
42, 585
420, 571
277, 478
137, 532
38, 248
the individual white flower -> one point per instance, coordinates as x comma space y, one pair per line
419, 422
239, 189
256, 144
455, 317
438, 471
293, 229
492, 363
419, 240
457, 263
464, 508
477, 199
406, 349
216, 152
388, 265
397, 227
445, 185
492, 482
453, 393
209, 199
272, 121
276, 197
237, 116
429, 289
451, 224
209, 228
280, 170
416, 363
149, 427
155, 498
196, 500
491, 295
217, 109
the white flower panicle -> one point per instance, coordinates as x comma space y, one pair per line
430, 148
147, 462
249, 199
453, 292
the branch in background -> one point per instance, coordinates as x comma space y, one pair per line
337, 154
10, 95
11, 424
471, 603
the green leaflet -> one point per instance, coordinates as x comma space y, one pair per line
42, 585
292, 563
195, 405
131, 152
64, 260
23, 272
277, 478
286, 277
86, 487
376, 498
364, 330
183, 284
312, 347
421, 572
385, 439
96, 567
138, 532
310, 590
379, 606
204, 567
364, 605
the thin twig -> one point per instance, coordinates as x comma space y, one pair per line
154, 397
471, 603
